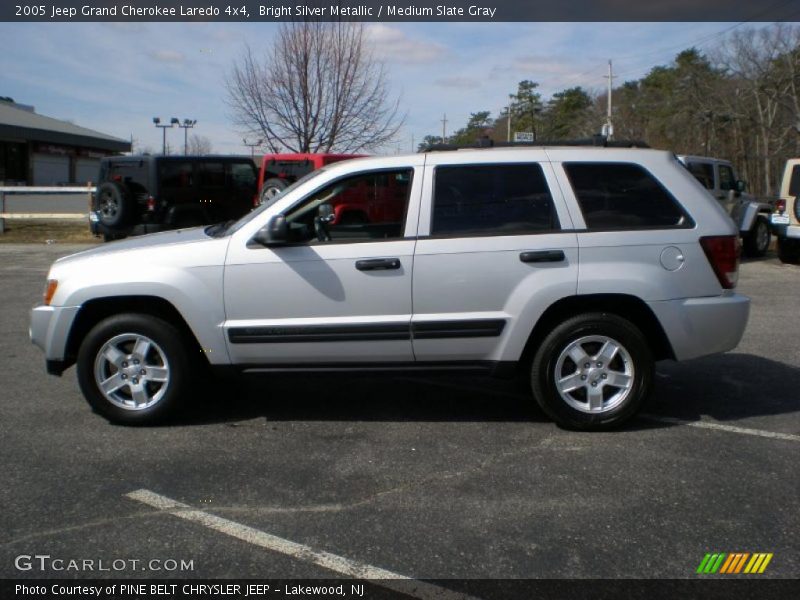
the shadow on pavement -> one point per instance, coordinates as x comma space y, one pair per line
727, 388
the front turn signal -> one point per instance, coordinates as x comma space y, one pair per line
50, 291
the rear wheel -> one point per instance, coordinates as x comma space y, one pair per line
272, 187
756, 242
132, 369
593, 371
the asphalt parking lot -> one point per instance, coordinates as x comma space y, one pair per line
447, 477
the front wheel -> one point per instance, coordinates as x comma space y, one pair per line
593, 371
757, 240
133, 369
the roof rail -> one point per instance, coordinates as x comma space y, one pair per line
596, 141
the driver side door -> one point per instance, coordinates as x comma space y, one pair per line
332, 301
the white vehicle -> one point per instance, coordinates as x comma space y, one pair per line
751, 216
786, 218
573, 267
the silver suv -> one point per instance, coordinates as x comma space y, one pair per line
574, 267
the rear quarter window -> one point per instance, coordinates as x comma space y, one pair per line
623, 196
794, 181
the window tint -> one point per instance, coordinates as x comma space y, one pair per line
726, 180
132, 173
211, 174
368, 206
243, 175
176, 175
703, 172
794, 181
622, 196
486, 199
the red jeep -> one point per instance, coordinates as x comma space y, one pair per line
278, 171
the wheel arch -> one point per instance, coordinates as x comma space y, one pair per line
625, 306
95, 310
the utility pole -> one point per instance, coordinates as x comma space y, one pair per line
412, 143
608, 128
444, 128
508, 122
252, 146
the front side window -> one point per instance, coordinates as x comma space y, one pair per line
499, 199
726, 180
623, 196
364, 207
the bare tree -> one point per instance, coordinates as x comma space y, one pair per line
320, 89
199, 144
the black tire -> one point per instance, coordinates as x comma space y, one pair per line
166, 354
271, 188
756, 242
113, 204
617, 405
788, 251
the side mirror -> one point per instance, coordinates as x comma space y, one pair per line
274, 233
740, 186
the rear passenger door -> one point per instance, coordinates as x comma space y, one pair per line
495, 249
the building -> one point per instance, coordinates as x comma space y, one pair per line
39, 150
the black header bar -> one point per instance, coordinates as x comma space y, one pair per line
399, 11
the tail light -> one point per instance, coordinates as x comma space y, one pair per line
780, 205
723, 253
151, 203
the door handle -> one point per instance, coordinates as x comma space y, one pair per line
540, 256
378, 264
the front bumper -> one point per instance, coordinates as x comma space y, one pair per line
701, 326
49, 330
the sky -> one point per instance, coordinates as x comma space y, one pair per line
115, 77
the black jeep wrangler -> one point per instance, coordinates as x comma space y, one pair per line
144, 194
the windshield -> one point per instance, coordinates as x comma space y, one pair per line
234, 226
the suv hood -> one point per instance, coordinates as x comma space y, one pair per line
164, 238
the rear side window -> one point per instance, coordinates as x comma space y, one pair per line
794, 181
623, 196
131, 173
492, 199
176, 175
211, 174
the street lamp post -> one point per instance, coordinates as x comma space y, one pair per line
163, 128
186, 126
252, 146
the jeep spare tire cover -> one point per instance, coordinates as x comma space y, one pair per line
112, 204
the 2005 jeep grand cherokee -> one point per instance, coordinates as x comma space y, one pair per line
575, 267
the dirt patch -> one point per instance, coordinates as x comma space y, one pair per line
47, 232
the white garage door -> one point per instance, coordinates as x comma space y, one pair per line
86, 169
50, 170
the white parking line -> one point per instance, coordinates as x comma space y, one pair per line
720, 427
332, 562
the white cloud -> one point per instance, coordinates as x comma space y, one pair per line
394, 45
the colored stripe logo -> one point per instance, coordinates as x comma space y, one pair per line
732, 563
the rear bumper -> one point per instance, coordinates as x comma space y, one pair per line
701, 326
788, 231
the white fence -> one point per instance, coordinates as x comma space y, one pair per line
43, 208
